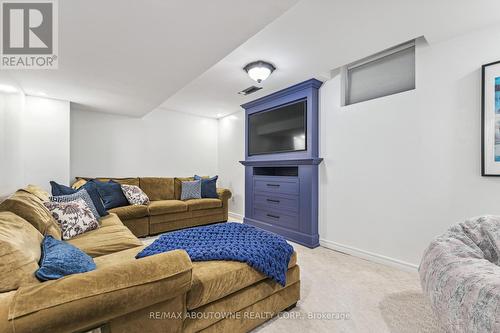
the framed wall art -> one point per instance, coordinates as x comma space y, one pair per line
490, 116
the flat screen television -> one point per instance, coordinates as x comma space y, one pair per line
278, 130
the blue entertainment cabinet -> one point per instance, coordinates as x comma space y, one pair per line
281, 189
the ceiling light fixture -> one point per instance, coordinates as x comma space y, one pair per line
8, 89
259, 70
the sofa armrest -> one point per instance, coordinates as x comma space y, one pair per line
86, 300
224, 193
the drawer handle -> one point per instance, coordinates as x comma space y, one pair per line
273, 216
272, 200
274, 185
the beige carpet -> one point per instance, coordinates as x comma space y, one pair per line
348, 294
408, 312
375, 297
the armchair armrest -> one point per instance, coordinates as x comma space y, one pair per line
224, 193
86, 300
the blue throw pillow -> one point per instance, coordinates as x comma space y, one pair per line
111, 194
58, 190
208, 186
60, 259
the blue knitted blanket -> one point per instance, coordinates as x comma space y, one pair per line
264, 251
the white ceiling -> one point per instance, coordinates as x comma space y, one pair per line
316, 36
127, 57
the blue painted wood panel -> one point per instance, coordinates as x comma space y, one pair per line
279, 185
277, 201
284, 204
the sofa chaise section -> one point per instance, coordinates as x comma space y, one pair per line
227, 287
246, 297
117, 295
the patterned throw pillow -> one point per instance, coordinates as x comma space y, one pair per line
90, 187
82, 194
191, 190
135, 195
74, 217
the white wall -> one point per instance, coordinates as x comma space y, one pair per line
163, 143
34, 141
231, 151
398, 170
46, 141
11, 161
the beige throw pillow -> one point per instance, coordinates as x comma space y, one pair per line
134, 195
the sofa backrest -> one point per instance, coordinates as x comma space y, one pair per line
31, 208
178, 185
20, 252
157, 188
124, 181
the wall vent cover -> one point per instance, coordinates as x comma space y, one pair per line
249, 90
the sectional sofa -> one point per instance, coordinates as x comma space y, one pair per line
161, 293
166, 212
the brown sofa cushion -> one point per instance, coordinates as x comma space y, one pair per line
130, 212
201, 318
199, 204
37, 191
118, 258
79, 182
213, 280
178, 185
161, 207
158, 188
111, 237
125, 181
80, 301
19, 252
31, 208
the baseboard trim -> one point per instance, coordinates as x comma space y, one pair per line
370, 256
235, 216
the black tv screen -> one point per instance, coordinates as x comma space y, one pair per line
282, 129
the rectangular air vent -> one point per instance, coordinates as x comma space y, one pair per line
249, 90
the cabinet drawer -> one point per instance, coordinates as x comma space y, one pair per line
276, 218
276, 185
274, 201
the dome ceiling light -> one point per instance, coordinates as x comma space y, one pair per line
259, 70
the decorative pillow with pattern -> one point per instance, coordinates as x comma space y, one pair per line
82, 194
135, 195
74, 217
191, 190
